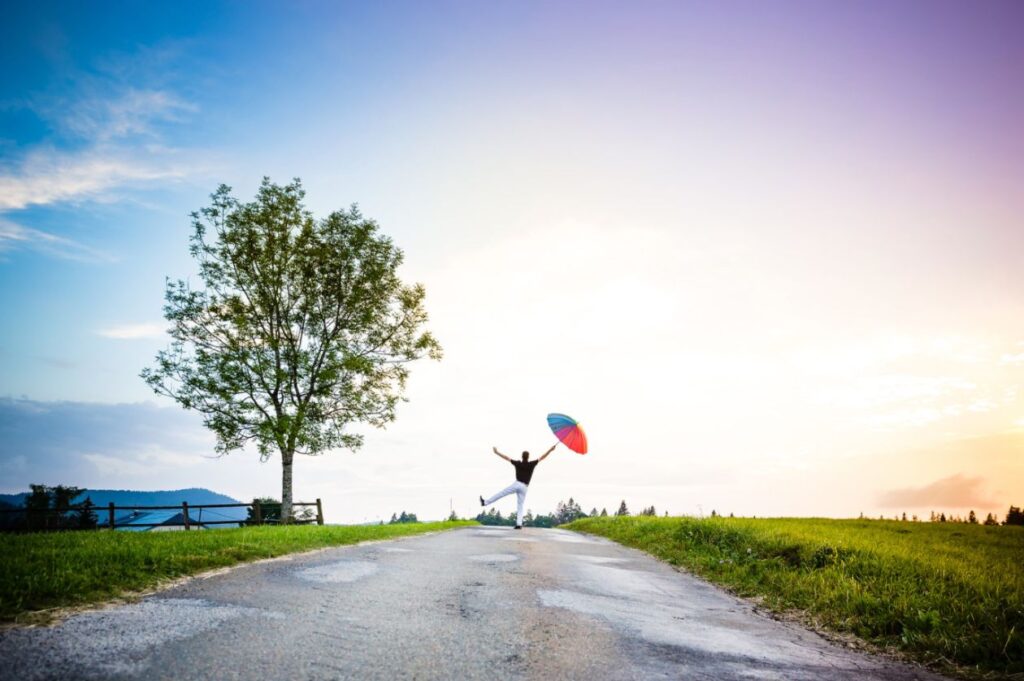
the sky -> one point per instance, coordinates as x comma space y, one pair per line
768, 254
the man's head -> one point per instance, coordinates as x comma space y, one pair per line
526, 456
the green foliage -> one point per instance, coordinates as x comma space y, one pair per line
85, 517
300, 329
940, 592
542, 520
270, 510
493, 517
59, 569
623, 509
49, 508
568, 512
403, 518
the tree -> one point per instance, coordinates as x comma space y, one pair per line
541, 520
604, 512
1014, 516
623, 510
990, 520
593, 513
568, 512
452, 517
61, 497
904, 518
971, 518
270, 510
49, 507
942, 517
403, 517
301, 327
85, 518
37, 507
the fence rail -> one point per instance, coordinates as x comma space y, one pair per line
256, 517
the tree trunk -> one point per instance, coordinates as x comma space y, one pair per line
286, 487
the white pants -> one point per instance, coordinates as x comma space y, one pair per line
517, 488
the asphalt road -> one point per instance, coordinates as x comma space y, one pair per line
476, 603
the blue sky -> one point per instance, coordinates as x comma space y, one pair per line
790, 235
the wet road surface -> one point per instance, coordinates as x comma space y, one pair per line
475, 603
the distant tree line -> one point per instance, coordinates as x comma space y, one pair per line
1015, 516
49, 508
565, 512
270, 512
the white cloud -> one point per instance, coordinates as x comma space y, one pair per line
134, 112
133, 331
14, 236
109, 135
48, 176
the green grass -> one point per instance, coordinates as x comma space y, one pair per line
59, 569
948, 595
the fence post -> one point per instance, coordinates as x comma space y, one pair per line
319, 512
257, 512
110, 508
184, 513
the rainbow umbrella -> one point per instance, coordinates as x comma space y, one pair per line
569, 432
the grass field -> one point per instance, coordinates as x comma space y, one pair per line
59, 569
948, 595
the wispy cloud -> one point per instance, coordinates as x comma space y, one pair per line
956, 491
111, 131
49, 176
133, 331
134, 112
14, 236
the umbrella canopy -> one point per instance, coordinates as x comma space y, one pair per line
569, 432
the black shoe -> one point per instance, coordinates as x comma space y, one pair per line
482, 501
519, 527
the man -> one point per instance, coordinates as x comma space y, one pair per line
524, 471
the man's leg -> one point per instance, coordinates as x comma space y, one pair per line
521, 500
503, 493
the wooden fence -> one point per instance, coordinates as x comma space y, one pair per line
189, 517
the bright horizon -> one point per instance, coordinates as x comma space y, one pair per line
769, 257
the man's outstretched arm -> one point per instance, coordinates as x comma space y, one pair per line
547, 452
500, 454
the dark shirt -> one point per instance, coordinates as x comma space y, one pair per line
524, 470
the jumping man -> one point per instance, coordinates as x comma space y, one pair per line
524, 471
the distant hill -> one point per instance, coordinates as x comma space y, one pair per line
129, 497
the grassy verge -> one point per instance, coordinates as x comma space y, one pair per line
61, 569
948, 595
